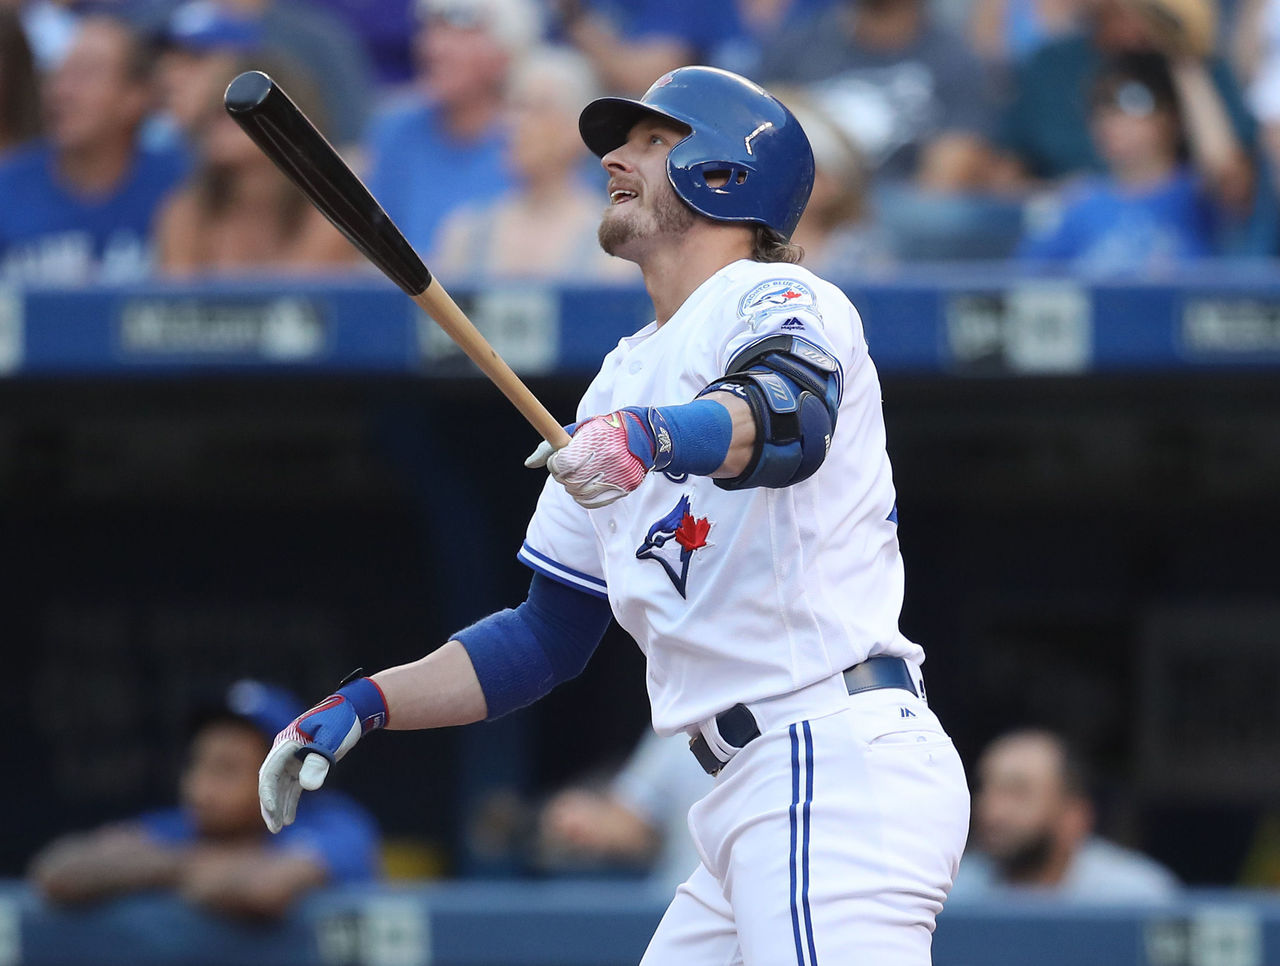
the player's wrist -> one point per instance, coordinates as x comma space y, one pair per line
693, 438
367, 702
641, 440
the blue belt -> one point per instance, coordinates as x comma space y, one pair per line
738, 727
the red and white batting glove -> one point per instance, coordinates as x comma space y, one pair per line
302, 753
607, 457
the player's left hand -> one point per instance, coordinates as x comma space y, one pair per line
300, 757
606, 458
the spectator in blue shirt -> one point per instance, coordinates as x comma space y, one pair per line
213, 849
79, 203
1151, 210
444, 145
547, 227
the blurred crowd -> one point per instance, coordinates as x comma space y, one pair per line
1034, 828
1099, 136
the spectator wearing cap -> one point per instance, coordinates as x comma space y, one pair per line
200, 45
213, 849
1151, 210
80, 201
1045, 132
545, 227
444, 145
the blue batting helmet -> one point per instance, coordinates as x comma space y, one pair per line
737, 130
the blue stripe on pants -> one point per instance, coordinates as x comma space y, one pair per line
795, 801
808, 800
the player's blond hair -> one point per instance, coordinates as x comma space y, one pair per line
770, 246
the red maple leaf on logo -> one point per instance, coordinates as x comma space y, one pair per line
692, 533
790, 294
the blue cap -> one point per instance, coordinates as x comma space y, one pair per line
268, 708
205, 26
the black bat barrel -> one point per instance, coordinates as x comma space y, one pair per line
269, 116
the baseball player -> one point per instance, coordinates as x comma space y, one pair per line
727, 497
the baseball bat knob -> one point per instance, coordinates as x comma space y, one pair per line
248, 92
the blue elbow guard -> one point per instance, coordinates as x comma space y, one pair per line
793, 389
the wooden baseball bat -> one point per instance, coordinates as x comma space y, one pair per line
287, 137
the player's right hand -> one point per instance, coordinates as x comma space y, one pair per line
301, 754
606, 458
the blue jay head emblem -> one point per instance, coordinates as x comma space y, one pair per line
672, 541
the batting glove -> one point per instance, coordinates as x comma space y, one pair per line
606, 458
301, 754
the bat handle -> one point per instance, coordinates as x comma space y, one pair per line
438, 304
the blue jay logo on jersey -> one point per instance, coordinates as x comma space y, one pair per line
672, 542
778, 295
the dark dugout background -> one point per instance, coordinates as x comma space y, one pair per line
1098, 554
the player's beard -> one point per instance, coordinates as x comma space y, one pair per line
669, 217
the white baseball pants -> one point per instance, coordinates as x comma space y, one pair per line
830, 841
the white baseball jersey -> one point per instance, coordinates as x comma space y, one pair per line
735, 596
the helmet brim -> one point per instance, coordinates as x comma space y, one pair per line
605, 123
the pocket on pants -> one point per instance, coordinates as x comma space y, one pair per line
891, 717
916, 738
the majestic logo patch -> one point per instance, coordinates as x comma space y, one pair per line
664, 441
791, 325
775, 296
686, 532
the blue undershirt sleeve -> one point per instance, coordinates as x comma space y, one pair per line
520, 654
